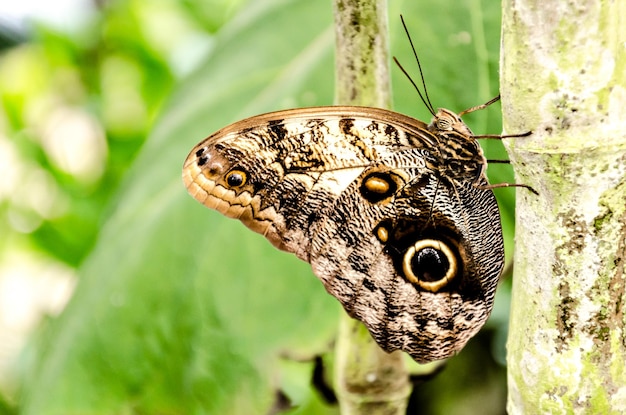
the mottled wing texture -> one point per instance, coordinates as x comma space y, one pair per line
409, 242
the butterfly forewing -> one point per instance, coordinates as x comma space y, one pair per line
395, 226
292, 156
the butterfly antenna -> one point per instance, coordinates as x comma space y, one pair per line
480, 107
426, 103
425, 98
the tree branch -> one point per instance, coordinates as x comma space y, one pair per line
563, 75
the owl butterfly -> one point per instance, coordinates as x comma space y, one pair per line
395, 216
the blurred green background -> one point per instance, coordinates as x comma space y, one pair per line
174, 309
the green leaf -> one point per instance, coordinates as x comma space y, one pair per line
180, 310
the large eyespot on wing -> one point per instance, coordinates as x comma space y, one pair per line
430, 263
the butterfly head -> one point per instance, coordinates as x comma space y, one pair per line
446, 122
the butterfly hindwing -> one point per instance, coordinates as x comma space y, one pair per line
363, 266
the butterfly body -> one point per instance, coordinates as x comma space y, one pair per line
391, 213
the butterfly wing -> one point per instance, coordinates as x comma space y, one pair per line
352, 190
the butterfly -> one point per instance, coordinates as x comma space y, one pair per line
395, 216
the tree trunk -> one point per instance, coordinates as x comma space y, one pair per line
563, 76
368, 380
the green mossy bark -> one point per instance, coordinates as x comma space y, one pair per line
362, 53
563, 75
368, 380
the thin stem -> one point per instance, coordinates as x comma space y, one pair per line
368, 380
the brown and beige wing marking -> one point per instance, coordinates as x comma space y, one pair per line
423, 273
373, 201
